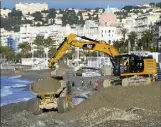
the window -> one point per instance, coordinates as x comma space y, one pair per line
109, 31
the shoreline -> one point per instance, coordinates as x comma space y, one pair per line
32, 75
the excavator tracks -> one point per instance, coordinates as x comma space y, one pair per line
130, 81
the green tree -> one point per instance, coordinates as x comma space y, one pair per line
158, 4
37, 16
15, 14
42, 42
133, 38
25, 48
147, 38
52, 13
89, 16
123, 31
6, 52
69, 17
128, 7
91, 53
52, 52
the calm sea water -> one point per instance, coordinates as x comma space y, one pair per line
14, 89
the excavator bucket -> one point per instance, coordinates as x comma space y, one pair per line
60, 70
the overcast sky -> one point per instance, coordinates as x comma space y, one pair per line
78, 3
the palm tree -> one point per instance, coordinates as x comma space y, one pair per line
49, 42
25, 48
147, 38
39, 41
133, 38
43, 43
123, 31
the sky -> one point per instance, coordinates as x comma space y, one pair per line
78, 3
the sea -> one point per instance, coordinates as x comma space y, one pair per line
14, 89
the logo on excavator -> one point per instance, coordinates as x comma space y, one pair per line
88, 46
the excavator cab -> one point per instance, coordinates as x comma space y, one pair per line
130, 64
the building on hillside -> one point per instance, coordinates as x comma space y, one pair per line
58, 21
85, 15
4, 12
4, 35
31, 8
129, 23
144, 21
108, 27
90, 24
157, 32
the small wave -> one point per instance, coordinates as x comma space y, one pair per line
23, 81
5, 91
15, 77
25, 99
18, 86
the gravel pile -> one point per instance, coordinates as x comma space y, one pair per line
45, 85
145, 97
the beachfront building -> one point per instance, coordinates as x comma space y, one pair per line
10, 39
145, 21
31, 8
108, 27
129, 23
157, 32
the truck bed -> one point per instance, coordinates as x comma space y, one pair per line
46, 86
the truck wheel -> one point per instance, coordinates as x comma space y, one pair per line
63, 105
36, 109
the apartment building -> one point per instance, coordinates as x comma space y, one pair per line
108, 27
4, 35
129, 23
31, 8
144, 21
157, 32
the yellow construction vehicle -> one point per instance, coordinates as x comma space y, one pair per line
136, 70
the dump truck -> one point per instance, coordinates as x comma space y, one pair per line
53, 93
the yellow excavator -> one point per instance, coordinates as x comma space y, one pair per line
55, 93
128, 69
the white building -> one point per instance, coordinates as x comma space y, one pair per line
129, 23
108, 30
144, 21
98, 62
58, 21
4, 13
4, 35
157, 32
31, 8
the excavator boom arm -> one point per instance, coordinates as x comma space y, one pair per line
90, 44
